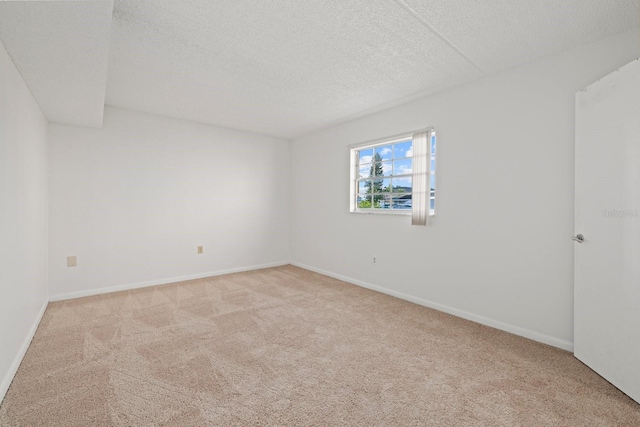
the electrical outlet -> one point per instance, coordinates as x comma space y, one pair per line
200, 249
72, 261
374, 260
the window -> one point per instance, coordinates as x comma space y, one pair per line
385, 174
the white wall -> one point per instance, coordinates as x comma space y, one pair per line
499, 250
23, 218
134, 199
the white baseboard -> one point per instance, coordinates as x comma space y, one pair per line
128, 286
536, 336
6, 382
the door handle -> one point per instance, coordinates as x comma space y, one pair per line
579, 238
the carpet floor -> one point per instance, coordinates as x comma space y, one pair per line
287, 347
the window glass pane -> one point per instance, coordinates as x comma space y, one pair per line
386, 185
383, 202
387, 168
377, 186
401, 201
402, 167
433, 144
362, 186
378, 169
365, 156
364, 170
402, 185
432, 193
433, 163
402, 149
383, 153
364, 201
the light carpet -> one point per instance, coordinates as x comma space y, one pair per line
288, 347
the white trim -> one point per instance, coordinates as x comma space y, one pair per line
128, 286
6, 382
353, 164
516, 330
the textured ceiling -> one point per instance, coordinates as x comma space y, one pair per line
61, 50
291, 67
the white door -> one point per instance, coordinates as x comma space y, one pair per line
607, 214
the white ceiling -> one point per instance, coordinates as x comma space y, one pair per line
61, 49
281, 67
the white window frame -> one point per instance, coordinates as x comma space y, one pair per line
354, 178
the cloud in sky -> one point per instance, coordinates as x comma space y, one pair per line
402, 170
366, 159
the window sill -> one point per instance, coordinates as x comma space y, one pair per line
383, 212
388, 212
